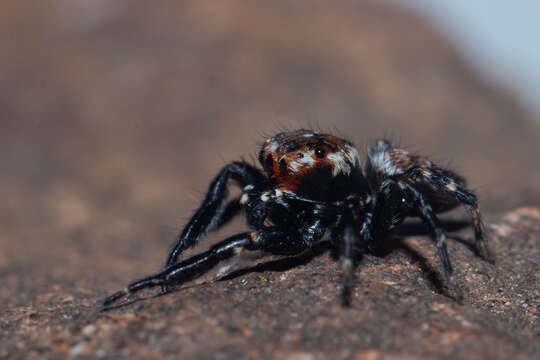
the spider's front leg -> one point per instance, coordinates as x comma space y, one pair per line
187, 269
273, 240
213, 213
349, 239
349, 234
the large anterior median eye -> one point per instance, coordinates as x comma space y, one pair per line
319, 152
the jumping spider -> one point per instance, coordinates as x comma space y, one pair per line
313, 184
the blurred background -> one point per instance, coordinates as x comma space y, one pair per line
497, 39
114, 116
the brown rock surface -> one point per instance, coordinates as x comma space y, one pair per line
115, 117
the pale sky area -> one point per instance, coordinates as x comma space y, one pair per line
499, 38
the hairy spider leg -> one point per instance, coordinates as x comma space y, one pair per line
230, 210
366, 230
188, 269
385, 161
272, 240
212, 213
414, 202
479, 239
428, 216
450, 184
346, 235
278, 241
350, 239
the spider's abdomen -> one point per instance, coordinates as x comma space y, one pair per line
317, 166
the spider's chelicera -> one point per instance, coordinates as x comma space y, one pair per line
312, 185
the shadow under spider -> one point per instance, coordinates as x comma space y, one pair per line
387, 243
395, 241
418, 229
282, 264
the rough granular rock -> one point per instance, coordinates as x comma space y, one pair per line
399, 309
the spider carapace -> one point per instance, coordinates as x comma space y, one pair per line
316, 166
313, 185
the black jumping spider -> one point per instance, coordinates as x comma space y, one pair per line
313, 184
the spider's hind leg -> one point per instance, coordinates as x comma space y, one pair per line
453, 187
429, 217
480, 241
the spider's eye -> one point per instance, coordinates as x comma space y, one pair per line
320, 153
300, 155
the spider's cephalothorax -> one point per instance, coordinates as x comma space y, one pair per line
312, 185
317, 166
